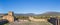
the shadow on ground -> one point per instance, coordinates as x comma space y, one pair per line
53, 21
3, 21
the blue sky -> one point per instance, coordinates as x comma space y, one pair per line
29, 6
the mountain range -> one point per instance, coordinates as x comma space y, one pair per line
43, 14
50, 14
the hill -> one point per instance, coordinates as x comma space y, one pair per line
50, 14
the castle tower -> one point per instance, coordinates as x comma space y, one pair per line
10, 13
10, 17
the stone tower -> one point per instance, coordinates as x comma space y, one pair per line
10, 13
10, 17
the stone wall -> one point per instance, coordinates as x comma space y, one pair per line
33, 19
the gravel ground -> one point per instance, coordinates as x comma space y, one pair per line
30, 23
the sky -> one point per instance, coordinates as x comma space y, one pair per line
29, 6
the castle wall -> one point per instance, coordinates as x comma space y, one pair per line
9, 18
33, 19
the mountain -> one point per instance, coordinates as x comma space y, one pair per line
32, 14
50, 14
29, 14
1, 14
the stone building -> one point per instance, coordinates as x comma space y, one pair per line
10, 16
